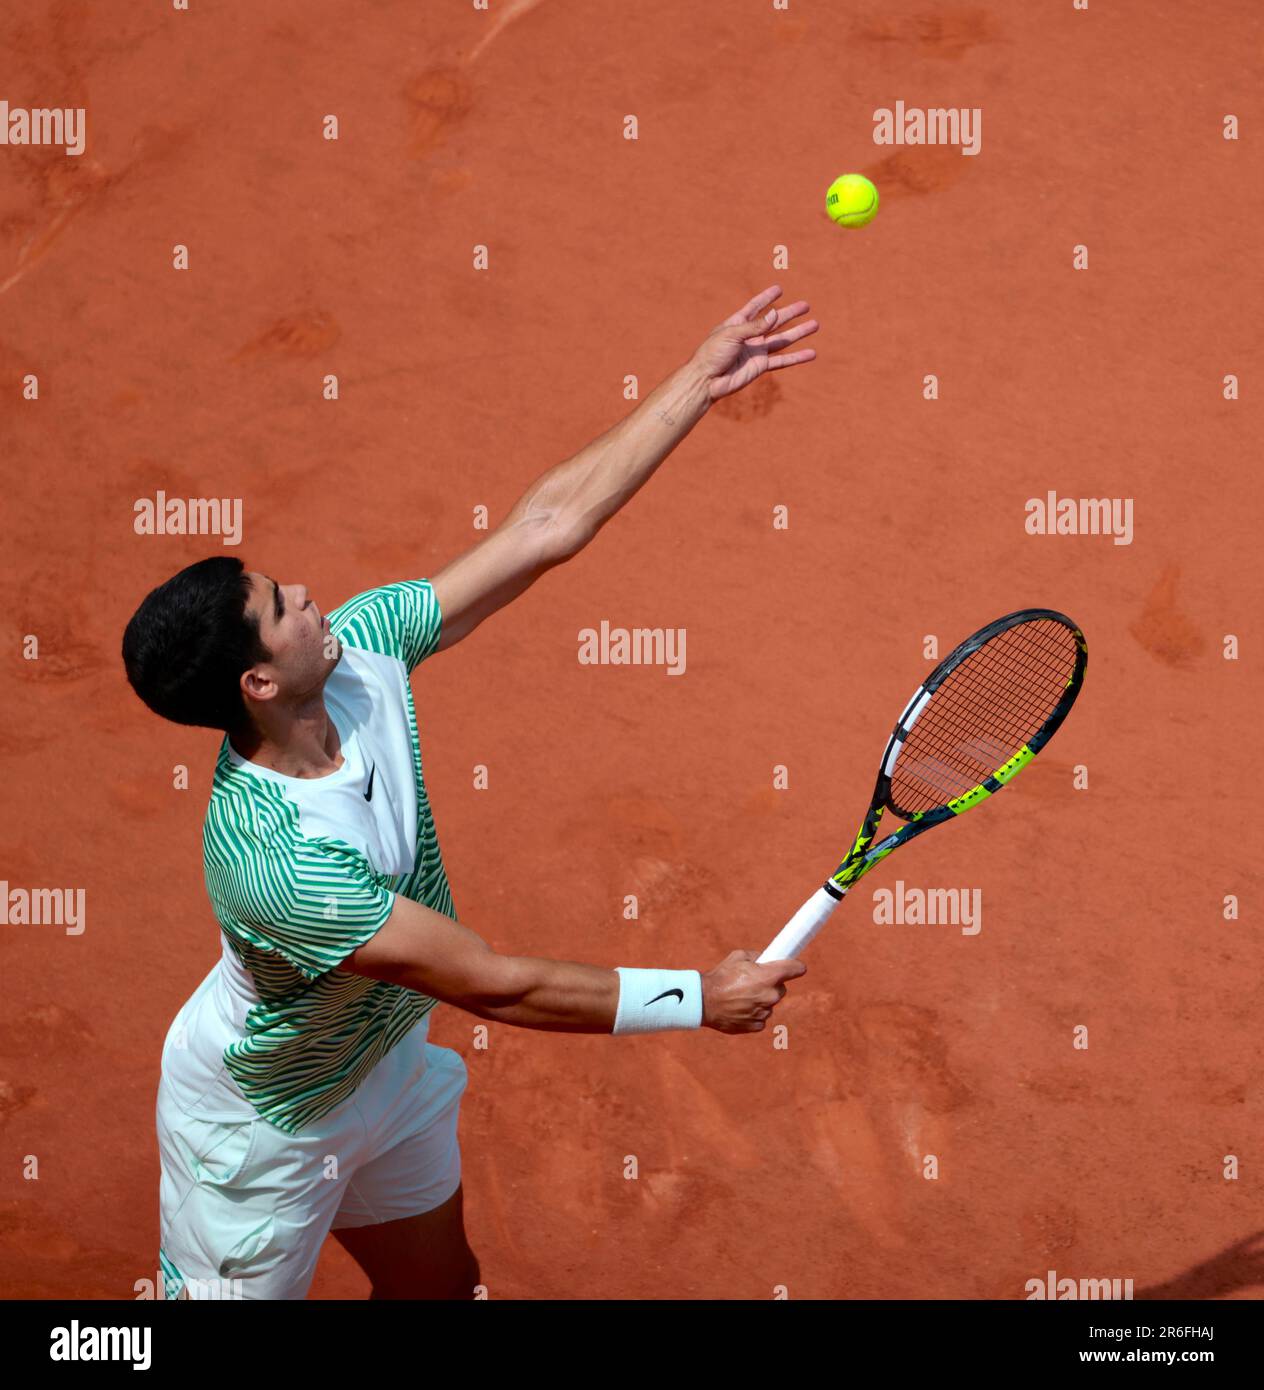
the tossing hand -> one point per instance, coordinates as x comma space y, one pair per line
737, 352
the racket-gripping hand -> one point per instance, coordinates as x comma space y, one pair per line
739, 995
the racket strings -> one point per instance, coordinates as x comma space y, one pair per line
996, 701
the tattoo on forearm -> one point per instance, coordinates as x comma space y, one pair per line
663, 415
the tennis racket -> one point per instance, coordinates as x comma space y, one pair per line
977, 720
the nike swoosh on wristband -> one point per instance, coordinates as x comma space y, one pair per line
679, 993
368, 795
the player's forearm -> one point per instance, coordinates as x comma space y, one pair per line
558, 995
583, 493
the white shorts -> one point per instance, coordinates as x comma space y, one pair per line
245, 1207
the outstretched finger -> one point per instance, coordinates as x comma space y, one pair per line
777, 340
791, 359
756, 306
791, 311
755, 333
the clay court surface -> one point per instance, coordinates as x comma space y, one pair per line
1102, 907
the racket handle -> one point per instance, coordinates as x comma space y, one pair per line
804, 925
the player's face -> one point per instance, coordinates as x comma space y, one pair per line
296, 632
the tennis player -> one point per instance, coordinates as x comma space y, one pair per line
299, 1095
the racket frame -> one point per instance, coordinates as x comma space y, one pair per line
864, 854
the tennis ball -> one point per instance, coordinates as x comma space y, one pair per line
852, 201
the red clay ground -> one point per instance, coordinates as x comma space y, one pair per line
1102, 907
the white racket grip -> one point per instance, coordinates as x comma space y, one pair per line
802, 927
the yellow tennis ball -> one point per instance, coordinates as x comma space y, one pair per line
852, 201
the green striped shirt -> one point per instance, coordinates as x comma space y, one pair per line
302, 872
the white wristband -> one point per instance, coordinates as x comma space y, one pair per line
651, 1001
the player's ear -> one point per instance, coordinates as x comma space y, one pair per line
256, 685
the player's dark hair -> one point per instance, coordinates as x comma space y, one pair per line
188, 643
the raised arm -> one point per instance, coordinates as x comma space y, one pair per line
564, 508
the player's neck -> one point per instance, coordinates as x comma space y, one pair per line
298, 742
